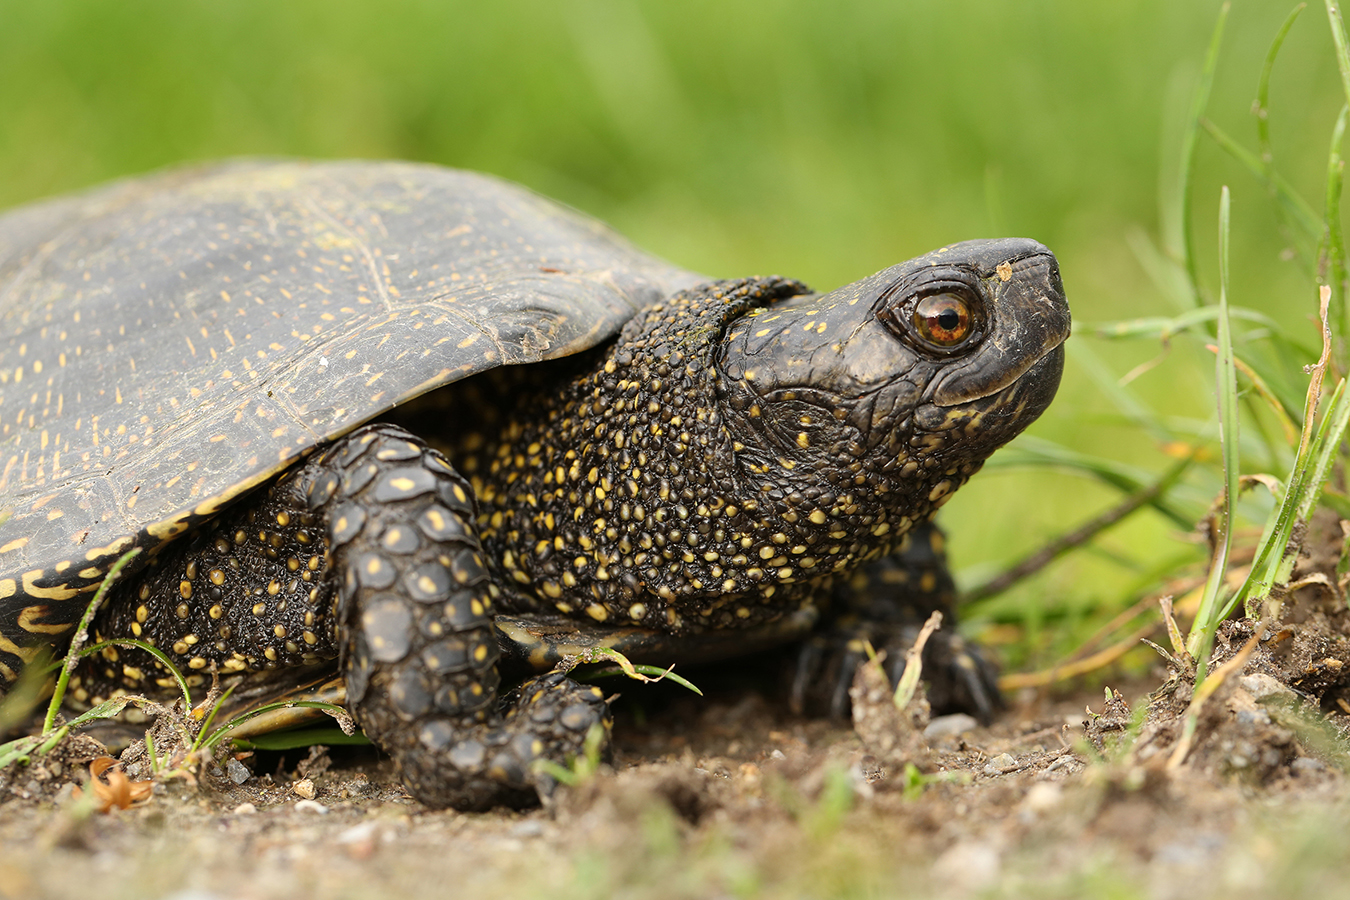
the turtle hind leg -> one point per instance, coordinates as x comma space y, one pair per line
415, 628
885, 604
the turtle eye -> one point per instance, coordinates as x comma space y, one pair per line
943, 320
942, 314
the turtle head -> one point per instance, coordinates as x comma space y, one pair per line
907, 380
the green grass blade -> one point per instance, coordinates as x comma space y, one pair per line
1201, 637
1198, 104
108, 709
1274, 546
1167, 327
1262, 108
215, 708
21, 750
1342, 46
1331, 270
1275, 184
154, 651
1036, 452
1079, 536
629, 670
1275, 557
81, 631
219, 734
1324, 451
1288, 199
301, 737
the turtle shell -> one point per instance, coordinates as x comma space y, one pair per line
169, 342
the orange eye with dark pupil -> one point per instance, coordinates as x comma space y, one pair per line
942, 319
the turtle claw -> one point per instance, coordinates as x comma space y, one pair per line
957, 675
961, 678
822, 674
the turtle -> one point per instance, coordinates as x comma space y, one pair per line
431, 431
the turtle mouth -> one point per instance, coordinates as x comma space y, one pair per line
1035, 387
995, 417
1041, 373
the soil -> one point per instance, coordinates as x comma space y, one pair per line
730, 795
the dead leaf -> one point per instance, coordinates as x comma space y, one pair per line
112, 788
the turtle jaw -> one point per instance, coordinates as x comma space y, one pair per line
1037, 386
981, 424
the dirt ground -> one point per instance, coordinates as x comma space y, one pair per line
731, 796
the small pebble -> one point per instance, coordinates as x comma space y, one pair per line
1307, 765
949, 726
358, 787
237, 771
528, 829
968, 867
1042, 796
1264, 688
1064, 762
359, 834
304, 788
311, 806
245, 809
996, 765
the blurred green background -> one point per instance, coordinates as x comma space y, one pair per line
824, 141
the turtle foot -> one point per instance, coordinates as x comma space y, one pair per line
957, 675
511, 760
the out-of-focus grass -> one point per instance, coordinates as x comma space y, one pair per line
733, 137
821, 141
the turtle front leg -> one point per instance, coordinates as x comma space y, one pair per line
885, 604
415, 629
